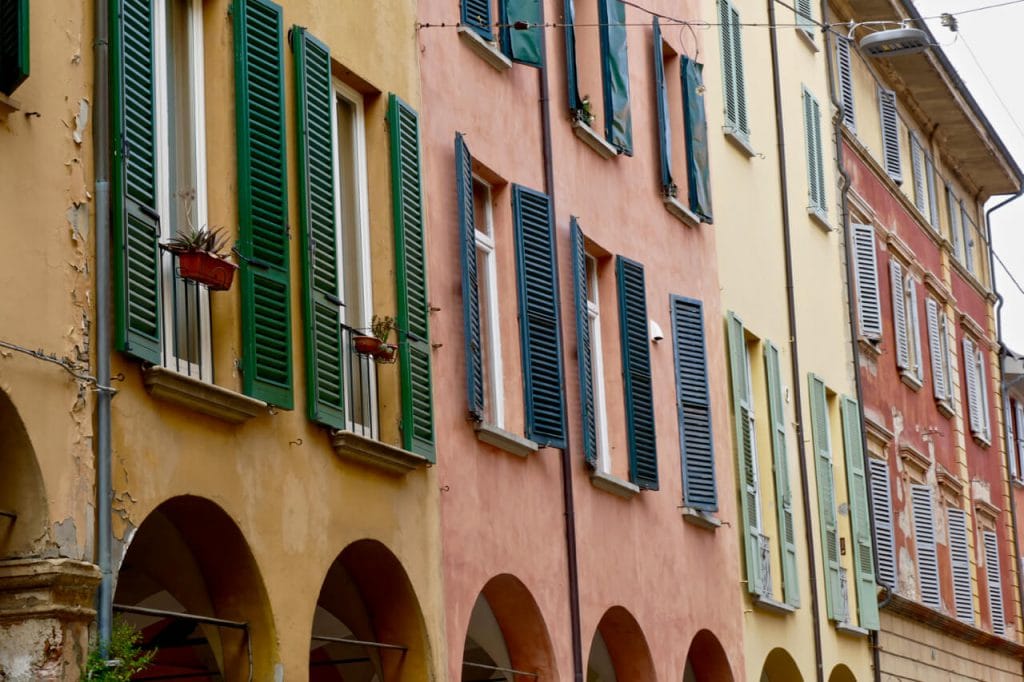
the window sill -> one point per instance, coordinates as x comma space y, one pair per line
593, 140
851, 630
771, 606
8, 105
503, 440
485, 49
819, 216
387, 458
688, 217
870, 346
808, 38
981, 439
740, 141
209, 399
701, 518
614, 485
945, 408
910, 379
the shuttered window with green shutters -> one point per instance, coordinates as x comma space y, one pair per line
476, 14
411, 279
698, 164
618, 121
734, 87
860, 516
14, 44
693, 402
636, 373
780, 461
523, 45
825, 476
470, 280
588, 414
815, 156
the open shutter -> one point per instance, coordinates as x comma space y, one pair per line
933, 197
844, 64
815, 161
1011, 440
750, 498
14, 44
698, 165
860, 517
571, 77
636, 373
618, 123
917, 166
914, 331
732, 69
476, 14
586, 366
935, 346
953, 208
470, 280
324, 347
539, 324
924, 541
780, 462
881, 506
966, 225
986, 419
971, 379
523, 45
135, 216
1017, 449
994, 582
960, 560
890, 134
826, 495
869, 307
693, 403
804, 16
899, 314
411, 279
668, 187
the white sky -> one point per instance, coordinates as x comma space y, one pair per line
995, 36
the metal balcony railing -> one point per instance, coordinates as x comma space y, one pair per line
187, 322
361, 406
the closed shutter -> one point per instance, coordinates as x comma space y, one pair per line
815, 158
618, 123
953, 208
917, 166
470, 280
869, 307
571, 75
523, 45
899, 314
973, 394
14, 43
914, 331
698, 165
986, 419
583, 347
935, 346
881, 506
321, 306
924, 541
732, 70
668, 187
411, 280
804, 16
845, 66
966, 225
693, 402
826, 495
960, 560
539, 324
890, 134
746, 438
476, 14
994, 581
933, 197
636, 373
860, 517
780, 463
135, 208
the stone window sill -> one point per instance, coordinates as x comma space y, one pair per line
945, 409
981, 439
819, 216
869, 346
688, 217
209, 399
701, 518
485, 49
381, 456
910, 379
772, 606
8, 105
851, 630
808, 37
593, 140
740, 141
503, 440
614, 485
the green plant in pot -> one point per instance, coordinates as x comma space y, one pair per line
382, 327
203, 256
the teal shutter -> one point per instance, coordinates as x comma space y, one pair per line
636, 374
411, 275
780, 463
523, 45
586, 366
470, 280
693, 402
476, 14
698, 164
262, 202
746, 456
826, 496
668, 188
860, 517
539, 324
325, 376
815, 156
571, 78
135, 216
14, 44
618, 124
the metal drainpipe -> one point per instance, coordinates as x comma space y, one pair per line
794, 351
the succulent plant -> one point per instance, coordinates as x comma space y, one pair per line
212, 241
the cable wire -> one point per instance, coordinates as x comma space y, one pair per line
995, 90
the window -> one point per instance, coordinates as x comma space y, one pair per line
969, 230
955, 233
835, 591
805, 17
994, 581
734, 87
1017, 419
960, 561
906, 324
938, 342
815, 157
925, 197
976, 387
604, 462
14, 44
844, 64
869, 308
923, 513
881, 506
482, 17
890, 134
860, 519
780, 465
487, 292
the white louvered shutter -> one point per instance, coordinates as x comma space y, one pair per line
935, 346
933, 197
960, 560
971, 379
881, 504
899, 315
1018, 448
890, 134
953, 207
917, 166
986, 419
914, 331
924, 540
869, 308
993, 578
846, 82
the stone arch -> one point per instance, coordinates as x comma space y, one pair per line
188, 556
619, 651
507, 630
23, 508
779, 666
367, 597
706, 660
841, 673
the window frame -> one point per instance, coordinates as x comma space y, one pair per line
602, 449
486, 254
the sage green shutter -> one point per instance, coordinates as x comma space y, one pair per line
815, 154
860, 517
523, 45
636, 373
14, 44
743, 407
618, 122
470, 280
411, 275
583, 347
780, 462
325, 376
826, 496
693, 403
734, 86
262, 202
135, 208
844, 66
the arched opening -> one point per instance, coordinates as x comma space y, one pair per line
507, 640
190, 585
779, 666
368, 626
706, 661
619, 650
23, 512
841, 673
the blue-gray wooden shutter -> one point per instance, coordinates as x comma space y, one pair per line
135, 208
845, 68
523, 45
693, 402
780, 464
827, 516
583, 348
470, 280
476, 14
413, 317
571, 76
960, 563
539, 322
618, 123
923, 513
869, 306
698, 164
325, 375
636, 373
860, 516
14, 44
994, 582
668, 187
881, 507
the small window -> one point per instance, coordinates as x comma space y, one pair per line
815, 157
487, 285
805, 17
844, 64
604, 462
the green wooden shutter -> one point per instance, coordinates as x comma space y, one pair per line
586, 366
636, 373
136, 220
826, 496
523, 45
411, 279
476, 14
618, 123
14, 44
693, 402
668, 187
732, 70
815, 154
571, 77
698, 165
262, 202
470, 280
805, 17
325, 377
746, 455
780, 462
539, 323
860, 517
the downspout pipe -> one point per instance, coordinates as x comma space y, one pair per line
780, 135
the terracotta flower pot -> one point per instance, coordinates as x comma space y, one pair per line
205, 268
386, 353
366, 345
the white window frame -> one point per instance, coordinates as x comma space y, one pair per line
601, 446
490, 326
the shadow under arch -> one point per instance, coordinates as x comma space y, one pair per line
779, 666
619, 650
23, 507
507, 631
841, 673
189, 556
367, 597
706, 660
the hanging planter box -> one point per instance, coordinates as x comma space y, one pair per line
366, 345
199, 266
